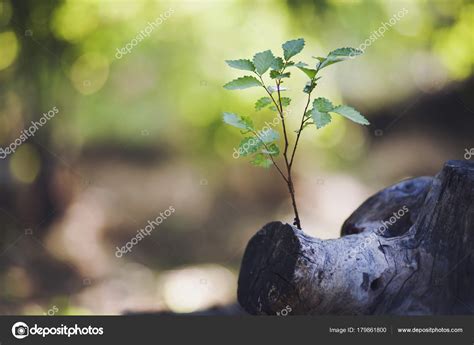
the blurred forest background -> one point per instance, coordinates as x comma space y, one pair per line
137, 134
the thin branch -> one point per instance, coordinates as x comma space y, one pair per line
280, 112
300, 130
270, 94
303, 120
274, 163
278, 83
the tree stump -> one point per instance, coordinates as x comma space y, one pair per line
407, 250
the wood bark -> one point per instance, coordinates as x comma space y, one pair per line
415, 262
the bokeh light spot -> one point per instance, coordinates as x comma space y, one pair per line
74, 20
25, 164
89, 73
9, 46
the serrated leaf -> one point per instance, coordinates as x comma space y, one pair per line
346, 52
271, 149
293, 47
247, 120
319, 113
277, 75
263, 60
320, 118
249, 145
261, 160
311, 73
351, 114
278, 63
269, 135
323, 104
338, 55
242, 122
242, 64
285, 101
242, 83
262, 103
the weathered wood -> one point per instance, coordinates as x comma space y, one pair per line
422, 263
381, 206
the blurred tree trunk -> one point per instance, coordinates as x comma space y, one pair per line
33, 81
27, 209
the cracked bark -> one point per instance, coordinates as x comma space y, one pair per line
421, 264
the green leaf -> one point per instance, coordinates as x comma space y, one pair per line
249, 145
311, 73
271, 149
337, 55
321, 119
247, 120
242, 64
262, 103
319, 113
278, 63
261, 160
323, 104
293, 47
263, 61
242, 83
285, 101
351, 114
268, 136
243, 122
277, 75
345, 52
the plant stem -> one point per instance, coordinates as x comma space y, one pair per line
288, 179
291, 187
271, 157
293, 201
303, 119
280, 111
300, 130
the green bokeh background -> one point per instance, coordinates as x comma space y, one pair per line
137, 134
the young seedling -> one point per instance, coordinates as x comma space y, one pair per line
262, 145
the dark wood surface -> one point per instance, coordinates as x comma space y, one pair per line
423, 263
